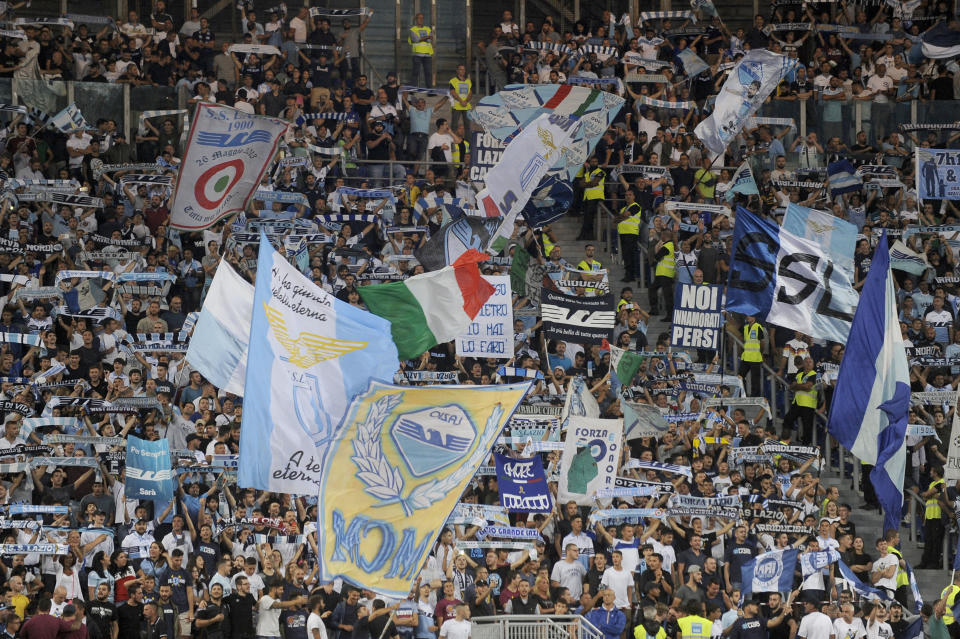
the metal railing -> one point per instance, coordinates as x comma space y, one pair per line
917, 502
534, 627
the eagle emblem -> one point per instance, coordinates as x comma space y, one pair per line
307, 349
547, 138
820, 229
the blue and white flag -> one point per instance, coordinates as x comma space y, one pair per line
837, 237
914, 630
902, 258
811, 562
857, 585
938, 177
149, 474
940, 42
750, 82
770, 572
69, 120
788, 280
309, 355
579, 402
551, 199
868, 415
693, 65
642, 420
522, 484
743, 182
843, 178
218, 348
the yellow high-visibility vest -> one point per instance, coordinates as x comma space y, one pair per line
933, 509
667, 267
462, 89
805, 398
751, 343
594, 192
694, 627
950, 594
420, 47
631, 224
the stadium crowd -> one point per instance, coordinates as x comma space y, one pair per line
223, 562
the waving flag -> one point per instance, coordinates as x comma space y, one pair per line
149, 475
788, 280
310, 353
843, 178
431, 308
514, 108
857, 585
404, 457
625, 364
902, 258
837, 236
218, 347
770, 572
549, 201
227, 154
868, 414
748, 85
743, 182
940, 41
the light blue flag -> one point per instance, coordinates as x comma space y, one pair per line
743, 182
868, 415
858, 586
309, 355
770, 572
811, 562
903, 258
843, 178
692, 64
838, 237
149, 474
788, 280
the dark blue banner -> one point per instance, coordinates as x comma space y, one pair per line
523, 485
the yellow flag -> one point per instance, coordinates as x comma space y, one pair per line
406, 455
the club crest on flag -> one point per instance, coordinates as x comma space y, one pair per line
769, 568
433, 438
307, 349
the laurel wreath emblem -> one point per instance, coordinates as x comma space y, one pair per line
384, 480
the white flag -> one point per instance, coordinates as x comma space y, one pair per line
748, 85
228, 152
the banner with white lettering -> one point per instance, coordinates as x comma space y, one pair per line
523, 485
951, 469
591, 458
490, 334
485, 153
697, 321
585, 320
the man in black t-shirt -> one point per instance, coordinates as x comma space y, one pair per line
129, 614
239, 610
102, 613
211, 618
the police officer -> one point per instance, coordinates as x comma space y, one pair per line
629, 222
420, 39
804, 406
664, 257
593, 177
751, 360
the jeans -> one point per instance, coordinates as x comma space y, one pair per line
424, 63
458, 115
417, 146
380, 174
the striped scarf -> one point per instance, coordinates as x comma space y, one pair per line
340, 13
80, 439
560, 49
513, 371
666, 104
69, 275
406, 88
328, 151
6, 406
373, 194
76, 462
350, 217
667, 15
332, 115
27, 339
89, 403
579, 79
602, 52
96, 313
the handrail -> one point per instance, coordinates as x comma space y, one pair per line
586, 630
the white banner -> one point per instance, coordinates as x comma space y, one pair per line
227, 154
491, 332
951, 470
591, 458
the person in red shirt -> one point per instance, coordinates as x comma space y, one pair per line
43, 625
156, 214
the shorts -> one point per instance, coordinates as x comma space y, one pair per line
183, 625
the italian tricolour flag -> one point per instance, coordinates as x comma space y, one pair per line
431, 308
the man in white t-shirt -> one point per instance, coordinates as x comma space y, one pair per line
884, 571
815, 624
270, 606
458, 627
443, 139
315, 626
620, 581
569, 572
78, 145
846, 626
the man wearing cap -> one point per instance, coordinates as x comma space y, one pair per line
692, 591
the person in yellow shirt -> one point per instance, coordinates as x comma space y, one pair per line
706, 180
461, 92
693, 626
664, 256
420, 38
